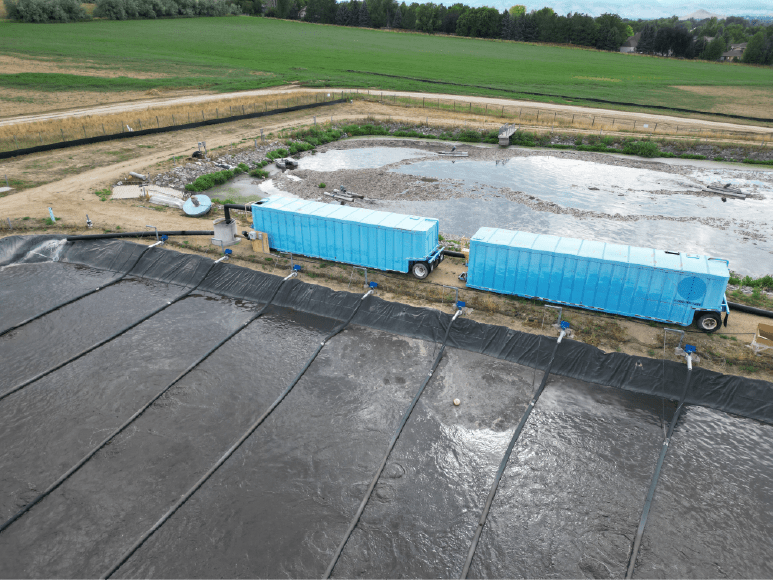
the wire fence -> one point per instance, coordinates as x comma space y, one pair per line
58, 131
541, 119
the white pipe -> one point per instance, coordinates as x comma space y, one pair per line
158, 243
561, 336
221, 259
689, 361
292, 275
456, 315
368, 293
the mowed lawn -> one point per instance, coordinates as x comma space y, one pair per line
238, 53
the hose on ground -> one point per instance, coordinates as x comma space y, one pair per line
145, 234
503, 464
655, 478
390, 447
751, 309
187, 495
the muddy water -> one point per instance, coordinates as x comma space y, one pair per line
425, 508
29, 289
365, 158
281, 504
712, 515
92, 519
570, 499
87, 322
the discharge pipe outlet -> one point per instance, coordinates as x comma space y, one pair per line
227, 207
564, 330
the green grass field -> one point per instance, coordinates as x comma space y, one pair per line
224, 54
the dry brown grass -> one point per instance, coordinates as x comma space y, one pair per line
55, 130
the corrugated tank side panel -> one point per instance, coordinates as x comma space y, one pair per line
615, 285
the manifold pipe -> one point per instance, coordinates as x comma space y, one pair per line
506, 459
656, 475
453, 254
751, 309
258, 422
89, 293
139, 235
390, 447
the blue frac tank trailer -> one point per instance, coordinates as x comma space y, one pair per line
362, 237
671, 287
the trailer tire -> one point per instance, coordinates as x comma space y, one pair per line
420, 270
709, 321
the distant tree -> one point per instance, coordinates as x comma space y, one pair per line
397, 18
342, 15
450, 18
323, 11
517, 10
507, 26
714, 49
611, 32
45, 10
755, 50
409, 15
364, 18
647, 39
582, 30
629, 31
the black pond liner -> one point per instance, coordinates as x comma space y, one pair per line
568, 504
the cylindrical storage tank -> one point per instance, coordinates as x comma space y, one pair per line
363, 237
667, 286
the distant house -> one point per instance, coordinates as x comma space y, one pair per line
631, 44
736, 51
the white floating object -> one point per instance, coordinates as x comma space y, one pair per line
457, 402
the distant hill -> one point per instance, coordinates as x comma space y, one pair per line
702, 15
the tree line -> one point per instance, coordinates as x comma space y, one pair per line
706, 39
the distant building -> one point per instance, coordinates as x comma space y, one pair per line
631, 44
736, 51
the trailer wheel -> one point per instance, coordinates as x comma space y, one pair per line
709, 321
420, 270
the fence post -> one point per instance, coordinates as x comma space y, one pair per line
84, 131
157, 122
62, 131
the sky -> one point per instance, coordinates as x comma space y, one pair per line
640, 9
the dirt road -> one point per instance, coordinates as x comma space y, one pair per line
493, 102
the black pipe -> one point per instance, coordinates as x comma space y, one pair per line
258, 422
751, 309
655, 478
356, 520
145, 234
241, 207
506, 459
131, 419
454, 254
75, 299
